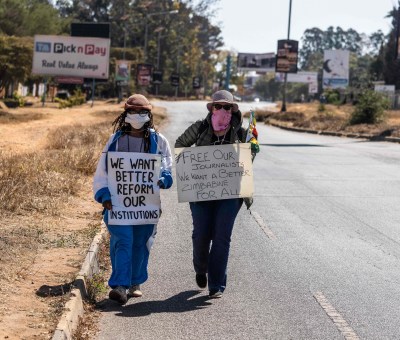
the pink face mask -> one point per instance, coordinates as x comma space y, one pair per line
220, 119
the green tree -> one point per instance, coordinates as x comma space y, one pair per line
316, 41
389, 57
12, 17
12, 49
268, 87
42, 18
29, 17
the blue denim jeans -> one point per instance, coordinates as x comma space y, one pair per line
212, 229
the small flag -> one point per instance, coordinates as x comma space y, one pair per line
252, 133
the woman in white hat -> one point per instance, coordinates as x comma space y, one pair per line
130, 244
213, 220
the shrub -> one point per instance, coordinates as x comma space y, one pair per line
62, 103
78, 98
15, 101
19, 99
332, 97
370, 108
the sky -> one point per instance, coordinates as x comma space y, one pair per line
255, 26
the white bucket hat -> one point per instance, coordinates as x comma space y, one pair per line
223, 97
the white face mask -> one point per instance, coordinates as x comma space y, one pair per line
136, 120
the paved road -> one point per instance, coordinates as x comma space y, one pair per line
318, 257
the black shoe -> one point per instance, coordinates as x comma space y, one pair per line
118, 294
201, 280
215, 294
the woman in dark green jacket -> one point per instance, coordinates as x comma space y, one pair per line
213, 220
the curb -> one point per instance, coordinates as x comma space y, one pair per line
73, 309
339, 134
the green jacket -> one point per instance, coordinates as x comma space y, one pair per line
191, 135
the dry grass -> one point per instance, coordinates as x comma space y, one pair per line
46, 214
332, 118
8, 117
41, 181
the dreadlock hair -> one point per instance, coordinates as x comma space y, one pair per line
120, 125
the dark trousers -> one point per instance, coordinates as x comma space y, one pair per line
212, 229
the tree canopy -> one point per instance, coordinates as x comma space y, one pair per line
175, 36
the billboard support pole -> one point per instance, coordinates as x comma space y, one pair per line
44, 91
93, 92
283, 108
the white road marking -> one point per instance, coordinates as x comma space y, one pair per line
263, 226
337, 319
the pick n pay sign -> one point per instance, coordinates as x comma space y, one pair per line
71, 56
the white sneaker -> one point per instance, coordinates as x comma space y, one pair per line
135, 291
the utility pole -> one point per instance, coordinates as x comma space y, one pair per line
283, 108
228, 72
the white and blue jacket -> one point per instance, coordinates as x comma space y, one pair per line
158, 145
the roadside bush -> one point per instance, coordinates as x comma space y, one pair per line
15, 101
78, 98
370, 108
332, 97
63, 103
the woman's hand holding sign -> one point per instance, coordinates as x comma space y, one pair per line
107, 205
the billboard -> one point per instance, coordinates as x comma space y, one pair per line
286, 58
261, 62
336, 69
310, 78
90, 29
71, 56
385, 88
122, 71
143, 74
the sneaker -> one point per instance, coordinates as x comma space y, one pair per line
118, 294
134, 291
215, 294
201, 280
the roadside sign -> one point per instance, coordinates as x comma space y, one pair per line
68, 80
157, 77
174, 80
286, 58
196, 82
143, 75
122, 70
71, 56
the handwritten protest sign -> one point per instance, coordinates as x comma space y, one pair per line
132, 181
207, 173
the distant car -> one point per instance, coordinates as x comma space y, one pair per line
63, 94
256, 99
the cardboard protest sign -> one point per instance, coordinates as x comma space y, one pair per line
132, 181
216, 172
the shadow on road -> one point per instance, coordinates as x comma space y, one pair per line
182, 302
